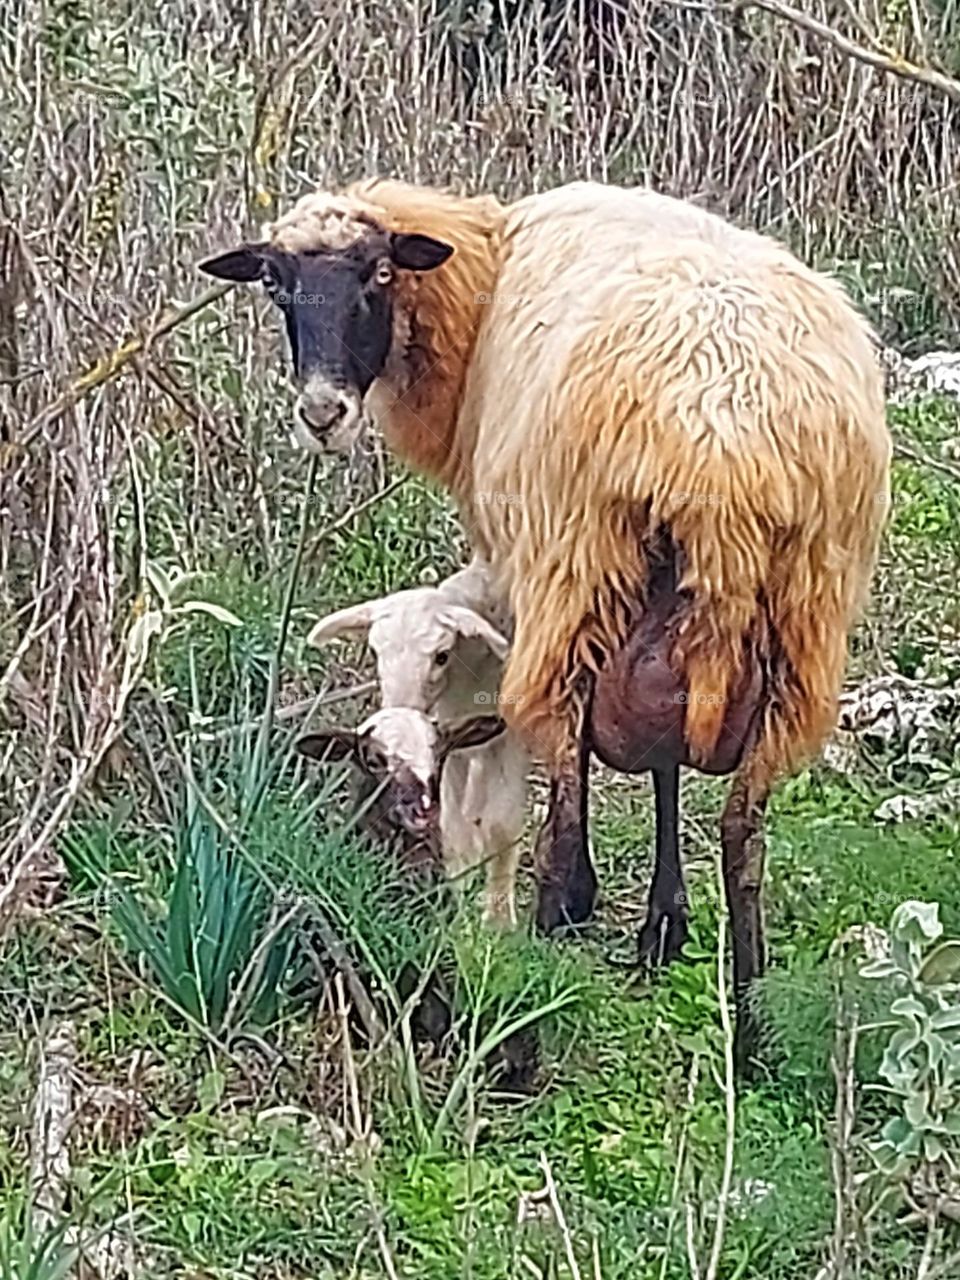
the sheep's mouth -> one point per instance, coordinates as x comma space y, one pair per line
418, 821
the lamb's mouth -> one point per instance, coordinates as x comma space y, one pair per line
418, 821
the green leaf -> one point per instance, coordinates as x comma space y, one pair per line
916, 1111
909, 1007
932, 1147
917, 922
210, 1089
942, 964
880, 969
143, 630
192, 1225
160, 582
946, 1020
214, 610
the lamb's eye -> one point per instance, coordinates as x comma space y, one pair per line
375, 760
442, 658
384, 273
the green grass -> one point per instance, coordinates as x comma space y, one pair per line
246, 1159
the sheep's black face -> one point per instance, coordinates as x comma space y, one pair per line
338, 308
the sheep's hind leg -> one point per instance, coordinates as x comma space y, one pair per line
568, 882
744, 854
665, 929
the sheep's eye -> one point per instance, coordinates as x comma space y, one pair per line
375, 760
273, 284
384, 273
442, 658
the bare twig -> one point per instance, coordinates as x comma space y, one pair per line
362, 1130
109, 366
894, 63
729, 1089
561, 1221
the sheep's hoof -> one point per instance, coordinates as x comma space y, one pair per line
747, 1040
567, 904
662, 936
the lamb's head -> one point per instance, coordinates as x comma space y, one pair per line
331, 267
422, 642
403, 753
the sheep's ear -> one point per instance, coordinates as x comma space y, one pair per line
356, 619
418, 253
469, 733
241, 266
470, 625
328, 744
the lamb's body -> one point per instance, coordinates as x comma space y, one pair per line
483, 789
483, 802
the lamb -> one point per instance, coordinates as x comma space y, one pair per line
667, 437
427, 754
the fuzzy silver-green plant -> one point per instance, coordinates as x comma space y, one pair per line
920, 1145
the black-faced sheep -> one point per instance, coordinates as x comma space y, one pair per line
605, 379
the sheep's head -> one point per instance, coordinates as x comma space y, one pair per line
331, 270
421, 640
403, 753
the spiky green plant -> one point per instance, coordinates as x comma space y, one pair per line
219, 955
27, 1253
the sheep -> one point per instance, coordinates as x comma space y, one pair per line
625, 394
438, 656
403, 759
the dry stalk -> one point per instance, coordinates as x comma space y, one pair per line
50, 1132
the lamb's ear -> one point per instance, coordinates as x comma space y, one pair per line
469, 733
328, 744
418, 253
356, 619
470, 625
241, 266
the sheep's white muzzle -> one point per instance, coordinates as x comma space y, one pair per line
327, 419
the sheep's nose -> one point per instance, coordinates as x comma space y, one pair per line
322, 409
419, 812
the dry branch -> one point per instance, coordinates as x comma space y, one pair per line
110, 365
894, 63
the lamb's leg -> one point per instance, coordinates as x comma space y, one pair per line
500, 902
744, 852
568, 882
665, 929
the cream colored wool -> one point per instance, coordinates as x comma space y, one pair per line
595, 363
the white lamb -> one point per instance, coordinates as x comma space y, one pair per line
439, 655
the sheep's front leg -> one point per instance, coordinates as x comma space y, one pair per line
568, 882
